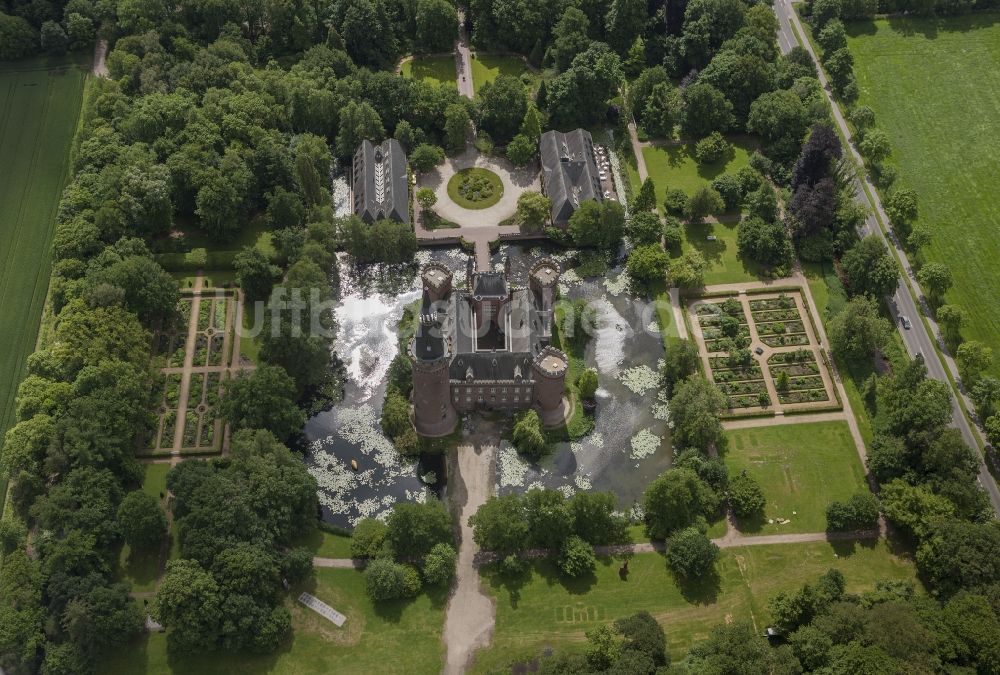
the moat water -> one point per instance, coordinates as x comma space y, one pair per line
626, 449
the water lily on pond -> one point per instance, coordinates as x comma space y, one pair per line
639, 379
619, 284
511, 468
644, 444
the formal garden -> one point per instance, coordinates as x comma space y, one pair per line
760, 348
196, 350
475, 188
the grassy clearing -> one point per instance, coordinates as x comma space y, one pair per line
800, 467
39, 109
541, 610
935, 87
488, 67
328, 545
674, 166
439, 70
140, 570
396, 637
724, 264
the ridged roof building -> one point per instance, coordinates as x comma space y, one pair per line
381, 188
569, 171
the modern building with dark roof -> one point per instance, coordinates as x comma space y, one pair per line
486, 347
569, 171
381, 188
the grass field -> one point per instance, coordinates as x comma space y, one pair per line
934, 85
397, 638
141, 569
488, 67
675, 166
439, 70
724, 264
800, 467
542, 611
39, 109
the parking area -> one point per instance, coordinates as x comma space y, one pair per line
608, 188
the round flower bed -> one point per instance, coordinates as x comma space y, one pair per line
475, 188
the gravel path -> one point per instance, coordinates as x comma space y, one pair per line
471, 613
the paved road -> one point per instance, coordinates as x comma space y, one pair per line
917, 339
733, 539
463, 60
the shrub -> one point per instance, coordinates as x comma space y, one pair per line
425, 157
675, 201
745, 495
860, 512
439, 565
728, 187
576, 557
395, 413
711, 149
527, 436
702, 203
142, 521
587, 383
690, 554
368, 539
388, 580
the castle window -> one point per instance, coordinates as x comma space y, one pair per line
480, 399
493, 390
516, 399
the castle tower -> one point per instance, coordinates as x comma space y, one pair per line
436, 280
549, 369
430, 354
543, 280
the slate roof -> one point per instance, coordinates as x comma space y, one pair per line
381, 188
569, 171
489, 285
448, 333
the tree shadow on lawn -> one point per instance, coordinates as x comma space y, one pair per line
751, 524
713, 251
703, 590
845, 548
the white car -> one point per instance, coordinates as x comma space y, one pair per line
607, 194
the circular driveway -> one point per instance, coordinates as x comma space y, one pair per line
515, 183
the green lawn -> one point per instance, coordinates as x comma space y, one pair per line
488, 67
540, 610
328, 545
934, 85
439, 70
140, 570
38, 115
800, 467
210, 278
674, 166
396, 637
724, 264
485, 188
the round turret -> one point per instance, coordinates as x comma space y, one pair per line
550, 368
543, 279
436, 280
